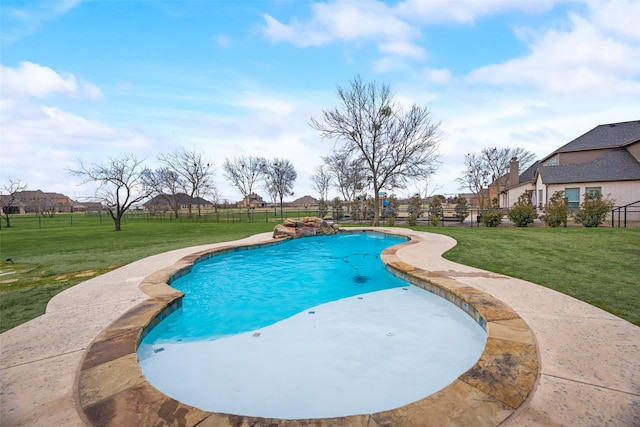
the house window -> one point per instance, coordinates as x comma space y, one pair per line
593, 190
553, 161
573, 198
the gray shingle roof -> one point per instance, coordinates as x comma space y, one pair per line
612, 135
527, 175
616, 165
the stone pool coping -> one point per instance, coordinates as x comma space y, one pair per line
110, 378
588, 371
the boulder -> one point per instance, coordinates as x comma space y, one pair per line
307, 226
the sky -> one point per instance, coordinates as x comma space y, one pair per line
94, 80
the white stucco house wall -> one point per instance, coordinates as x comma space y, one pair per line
605, 159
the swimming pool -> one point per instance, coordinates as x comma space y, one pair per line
318, 328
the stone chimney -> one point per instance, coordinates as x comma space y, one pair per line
514, 172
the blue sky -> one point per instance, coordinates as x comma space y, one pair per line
96, 79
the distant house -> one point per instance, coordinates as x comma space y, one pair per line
605, 159
304, 202
161, 203
11, 205
252, 201
37, 201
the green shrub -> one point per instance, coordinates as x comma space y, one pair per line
462, 208
337, 209
594, 209
435, 209
415, 209
556, 211
523, 213
491, 218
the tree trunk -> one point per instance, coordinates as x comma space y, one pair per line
376, 208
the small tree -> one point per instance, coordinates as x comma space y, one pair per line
371, 209
415, 209
556, 211
190, 173
323, 208
594, 209
337, 208
121, 184
321, 181
461, 209
435, 209
244, 173
523, 213
279, 176
9, 202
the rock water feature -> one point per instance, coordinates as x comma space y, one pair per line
307, 226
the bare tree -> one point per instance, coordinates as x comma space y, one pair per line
9, 202
321, 181
165, 182
474, 177
244, 173
350, 174
121, 184
393, 145
279, 176
194, 171
215, 194
491, 167
496, 161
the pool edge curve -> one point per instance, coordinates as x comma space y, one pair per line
111, 389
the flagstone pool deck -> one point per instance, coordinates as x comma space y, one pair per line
550, 360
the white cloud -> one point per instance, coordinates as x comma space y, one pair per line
588, 60
349, 20
402, 48
36, 81
439, 75
464, 11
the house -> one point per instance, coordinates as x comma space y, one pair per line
40, 202
304, 202
605, 159
160, 203
10, 205
252, 201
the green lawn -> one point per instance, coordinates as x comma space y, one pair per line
48, 260
598, 266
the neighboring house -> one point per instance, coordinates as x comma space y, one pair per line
11, 204
304, 202
521, 183
37, 201
605, 159
160, 203
252, 201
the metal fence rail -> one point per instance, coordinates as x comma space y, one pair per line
626, 215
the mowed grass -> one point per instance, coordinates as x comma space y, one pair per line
599, 266
49, 260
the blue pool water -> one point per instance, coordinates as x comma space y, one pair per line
309, 328
249, 289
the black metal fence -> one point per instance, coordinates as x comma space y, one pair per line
626, 216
